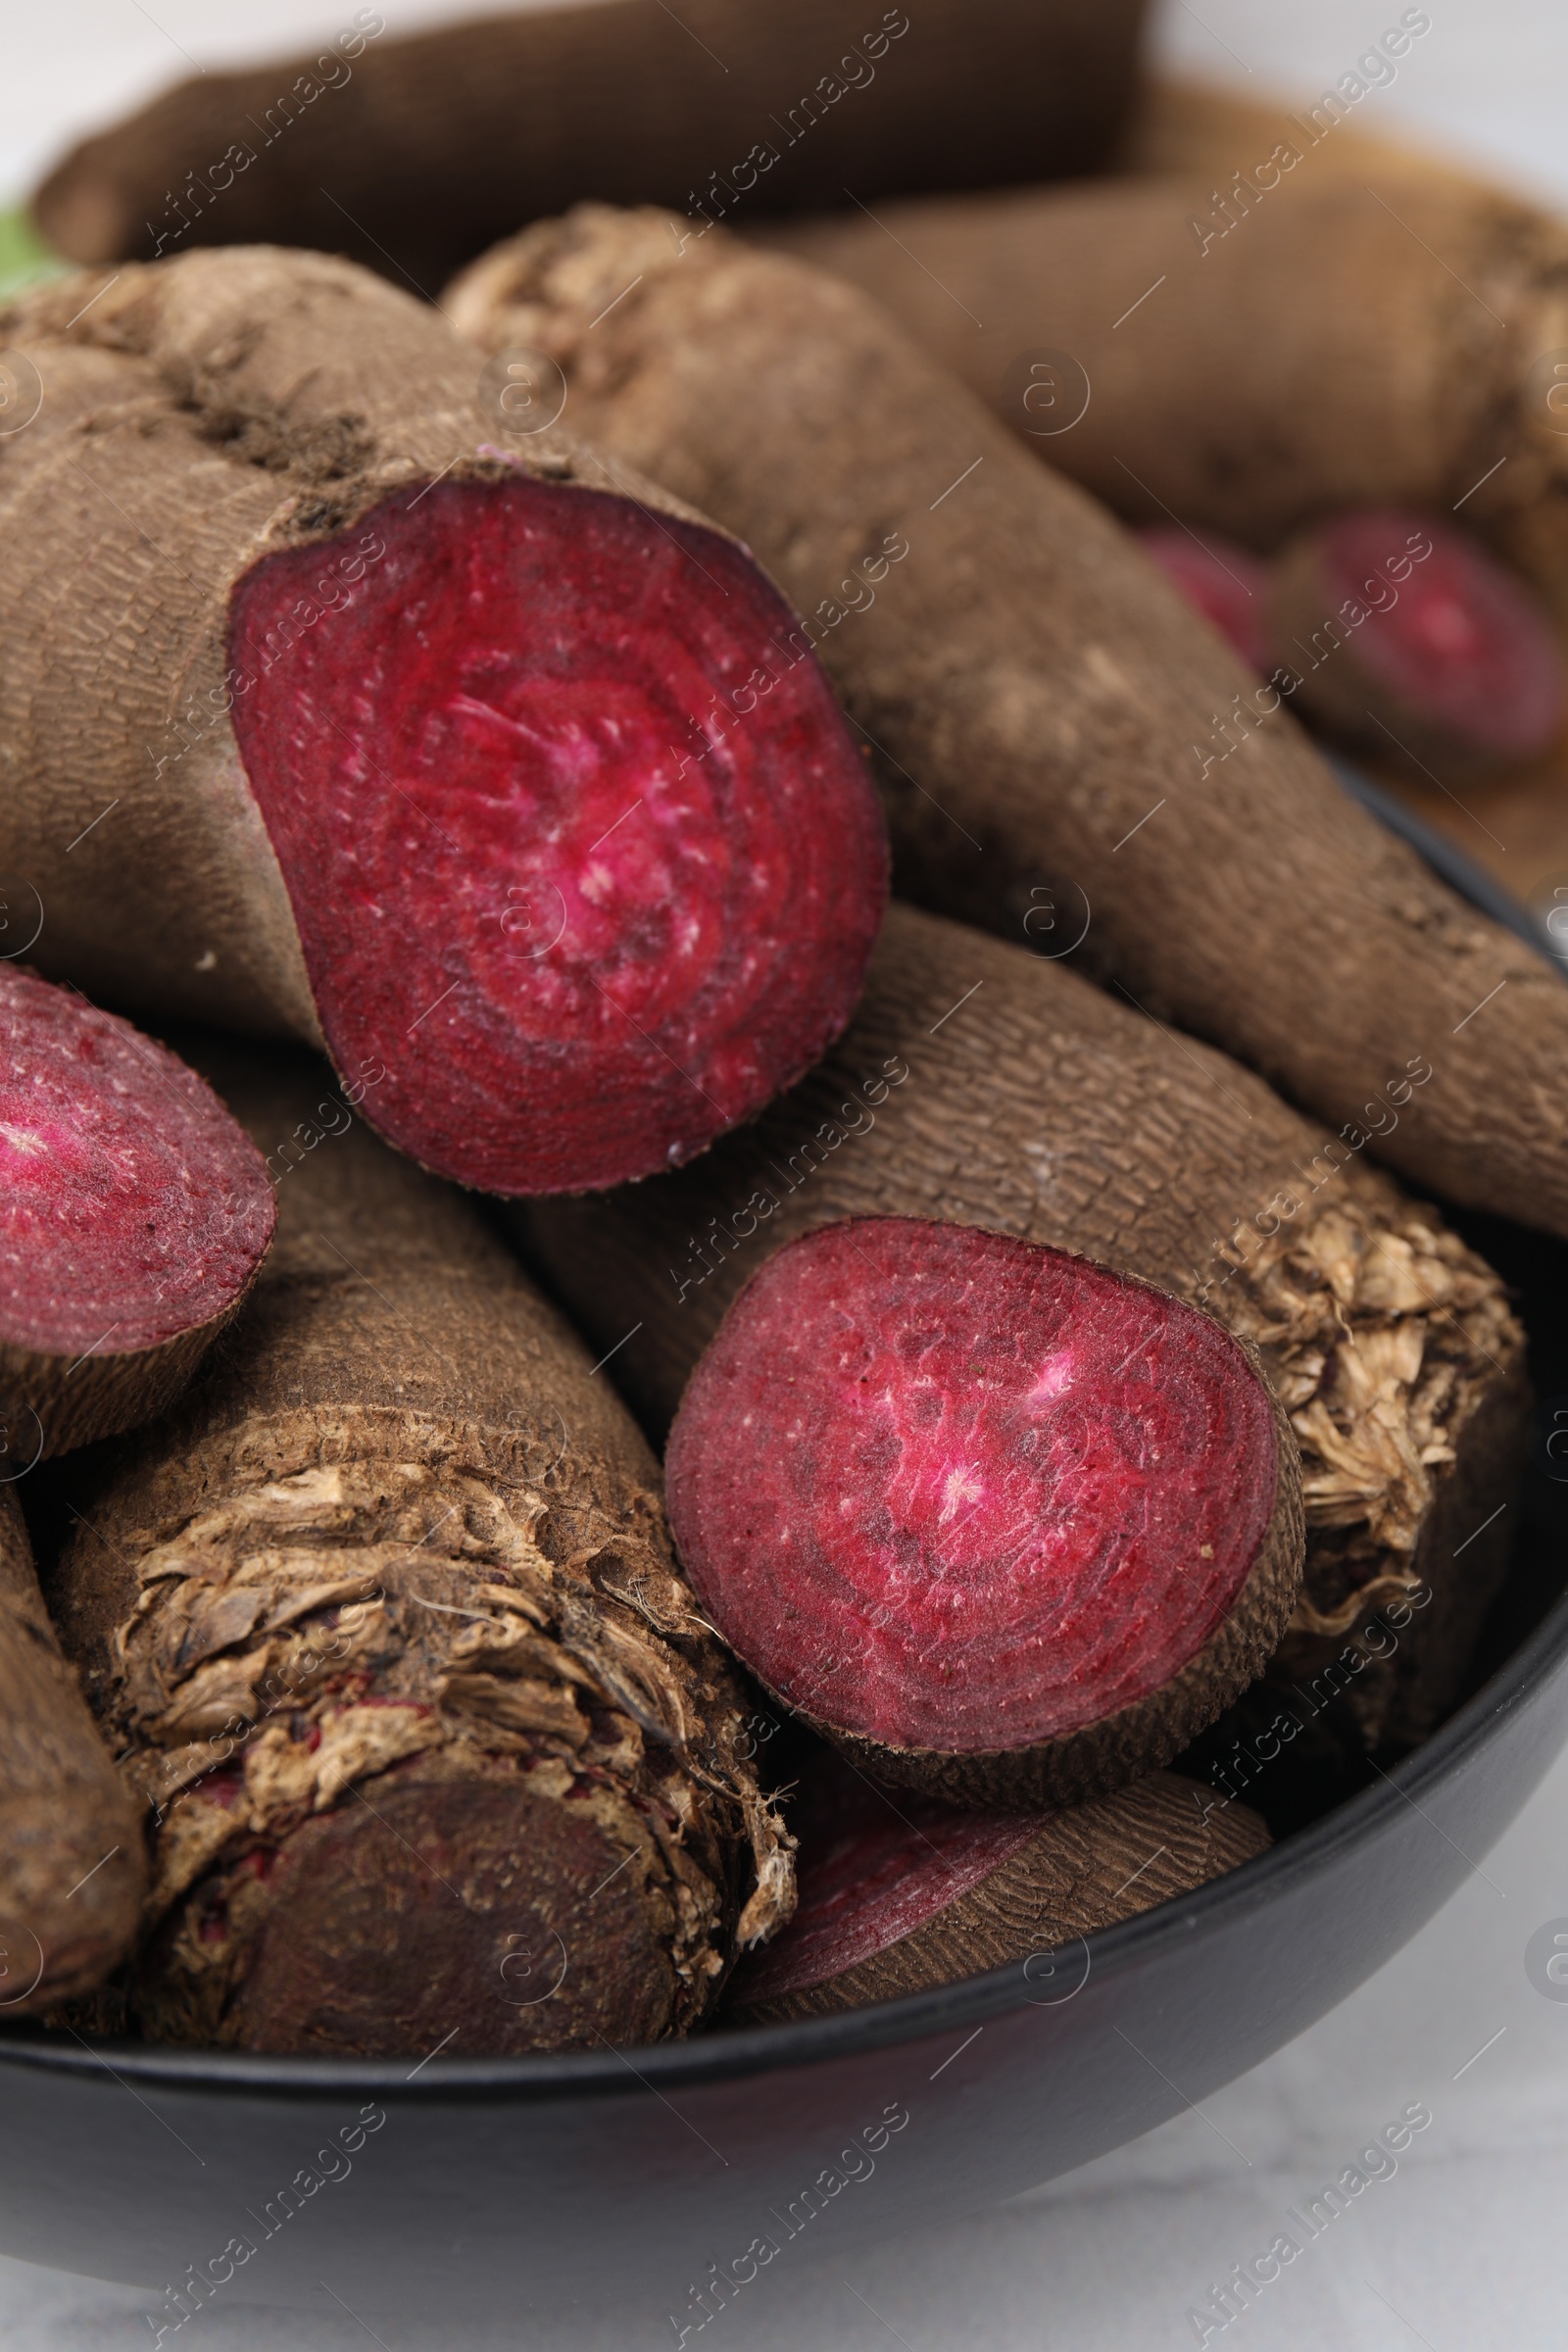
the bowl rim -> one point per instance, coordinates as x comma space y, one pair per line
725, 2055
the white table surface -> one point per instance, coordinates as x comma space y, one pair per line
1466, 2246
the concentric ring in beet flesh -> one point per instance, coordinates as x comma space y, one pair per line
1001, 1520
578, 844
134, 1212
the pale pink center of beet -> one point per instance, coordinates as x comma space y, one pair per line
131, 1205
1224, 582
1458, 638
949, 1490
873, 1866
578, 846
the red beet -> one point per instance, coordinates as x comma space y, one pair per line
995, 1519
133, 1215
496, 772
1408, 635
637, 914
873, 1866
900, 1891
1223, 581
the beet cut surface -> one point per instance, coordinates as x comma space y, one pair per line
875, 1865
132, 1207
1225, 582
946, 1491
900, 1891
1466, 647
560, 857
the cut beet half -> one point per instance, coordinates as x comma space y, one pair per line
998, 1521
900, 1891
133, 1215
1226, 583
1408, 636
578, 844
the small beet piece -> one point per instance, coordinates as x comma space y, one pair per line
72, 1866
385, 1624
385, 739
1000, 1522
900, 1891
1220, 579
1408, 637
133, 1215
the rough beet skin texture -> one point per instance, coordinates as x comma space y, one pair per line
1035, 691
900, 1891
987, 1514
383, 1630
1442, 652
635, 913
1304, 366
133, 1215
72, 1863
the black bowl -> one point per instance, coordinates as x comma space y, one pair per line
469, 2187
676, 2177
